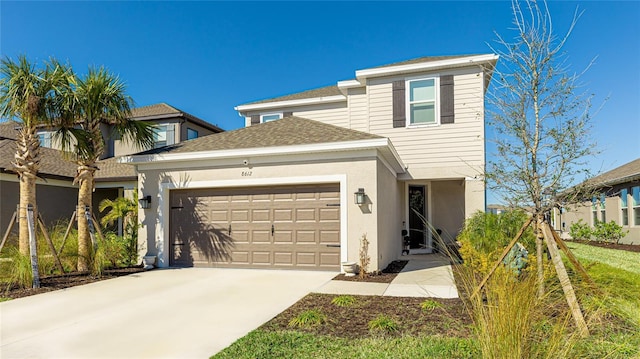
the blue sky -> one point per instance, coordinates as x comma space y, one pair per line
207, 57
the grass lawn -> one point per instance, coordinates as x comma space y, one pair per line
629, 261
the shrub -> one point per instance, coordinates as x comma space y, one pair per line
608, 232
580, 230
430, 305
344, 300
308, 318
383, 324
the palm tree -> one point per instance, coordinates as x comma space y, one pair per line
125, 209
98, 98
31, 96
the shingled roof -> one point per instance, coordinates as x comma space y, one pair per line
288, 131
425, 59
54, 164
625, 173
332, 90
151, 112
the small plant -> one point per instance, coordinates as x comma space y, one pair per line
608, 232
307, 319
344, 300
580, 230
383, 324
364, 256
430, 305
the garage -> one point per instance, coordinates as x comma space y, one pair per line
280, 227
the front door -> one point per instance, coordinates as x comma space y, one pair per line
418, 231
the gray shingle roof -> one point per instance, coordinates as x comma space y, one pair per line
332, 90
625, 173
163, 109
288, 131
8, 129
424, 59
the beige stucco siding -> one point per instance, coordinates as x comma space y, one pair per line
352, 173
390, 199
448, 213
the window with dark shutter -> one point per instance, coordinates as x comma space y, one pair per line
446, 99
399, 116
255, 119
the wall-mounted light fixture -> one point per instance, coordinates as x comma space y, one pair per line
360, 196
145, 202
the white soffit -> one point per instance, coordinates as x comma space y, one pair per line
383, 145
290, 103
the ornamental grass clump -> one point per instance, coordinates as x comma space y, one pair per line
307, 319
344, 300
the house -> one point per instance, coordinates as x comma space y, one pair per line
171, 126
57, 195
311, 173
617, 198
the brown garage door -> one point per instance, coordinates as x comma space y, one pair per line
295, 227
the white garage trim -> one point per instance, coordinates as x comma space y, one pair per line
162, 224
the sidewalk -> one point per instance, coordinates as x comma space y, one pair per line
427, 275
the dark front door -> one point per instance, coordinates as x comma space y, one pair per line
417, 217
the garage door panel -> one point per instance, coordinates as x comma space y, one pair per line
303, 225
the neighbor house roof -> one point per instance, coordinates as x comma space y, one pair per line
288, 131
626, 173
163, 110
54, 164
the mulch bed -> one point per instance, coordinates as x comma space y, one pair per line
51, 283
450, 319
386, 276
622, 247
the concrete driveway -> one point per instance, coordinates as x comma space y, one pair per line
170, 313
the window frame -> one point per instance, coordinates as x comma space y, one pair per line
263, 115
436, 100
45, 139
157, 129
624, 206
635, 204
192, 131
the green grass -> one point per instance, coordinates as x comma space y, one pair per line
3, 299
629, 261
292, 344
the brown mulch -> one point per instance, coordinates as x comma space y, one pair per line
622, 247
387, 275
56, 282
450, 320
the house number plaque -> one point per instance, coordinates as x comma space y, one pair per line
247, 173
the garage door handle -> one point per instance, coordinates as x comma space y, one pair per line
178, 244
333, 245
229, 229
272, 230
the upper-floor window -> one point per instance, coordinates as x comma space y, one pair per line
270, 117
163, 135
603, 214
635, 193
422, 100
45, 139
624, 205
191, 134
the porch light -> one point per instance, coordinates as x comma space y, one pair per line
145, 202
360, 196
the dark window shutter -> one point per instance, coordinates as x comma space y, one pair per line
399, 116
287, 114
255, 119
446, 99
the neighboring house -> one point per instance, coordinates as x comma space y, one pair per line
617, 199
313, 172
57, 196
172, 126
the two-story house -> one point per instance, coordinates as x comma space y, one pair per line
311, 173
57, 195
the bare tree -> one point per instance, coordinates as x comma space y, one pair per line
541, 116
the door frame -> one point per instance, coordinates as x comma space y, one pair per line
162, 226
428, 208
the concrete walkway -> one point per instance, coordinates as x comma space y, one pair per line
169, 313
428, 275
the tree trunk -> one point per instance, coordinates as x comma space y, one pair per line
85, 178
540, 254
27, 159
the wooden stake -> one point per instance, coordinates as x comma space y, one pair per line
33, 248
565, 282
66, 234
9, 228
96, 224
574, 261
50, 243
504, 254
